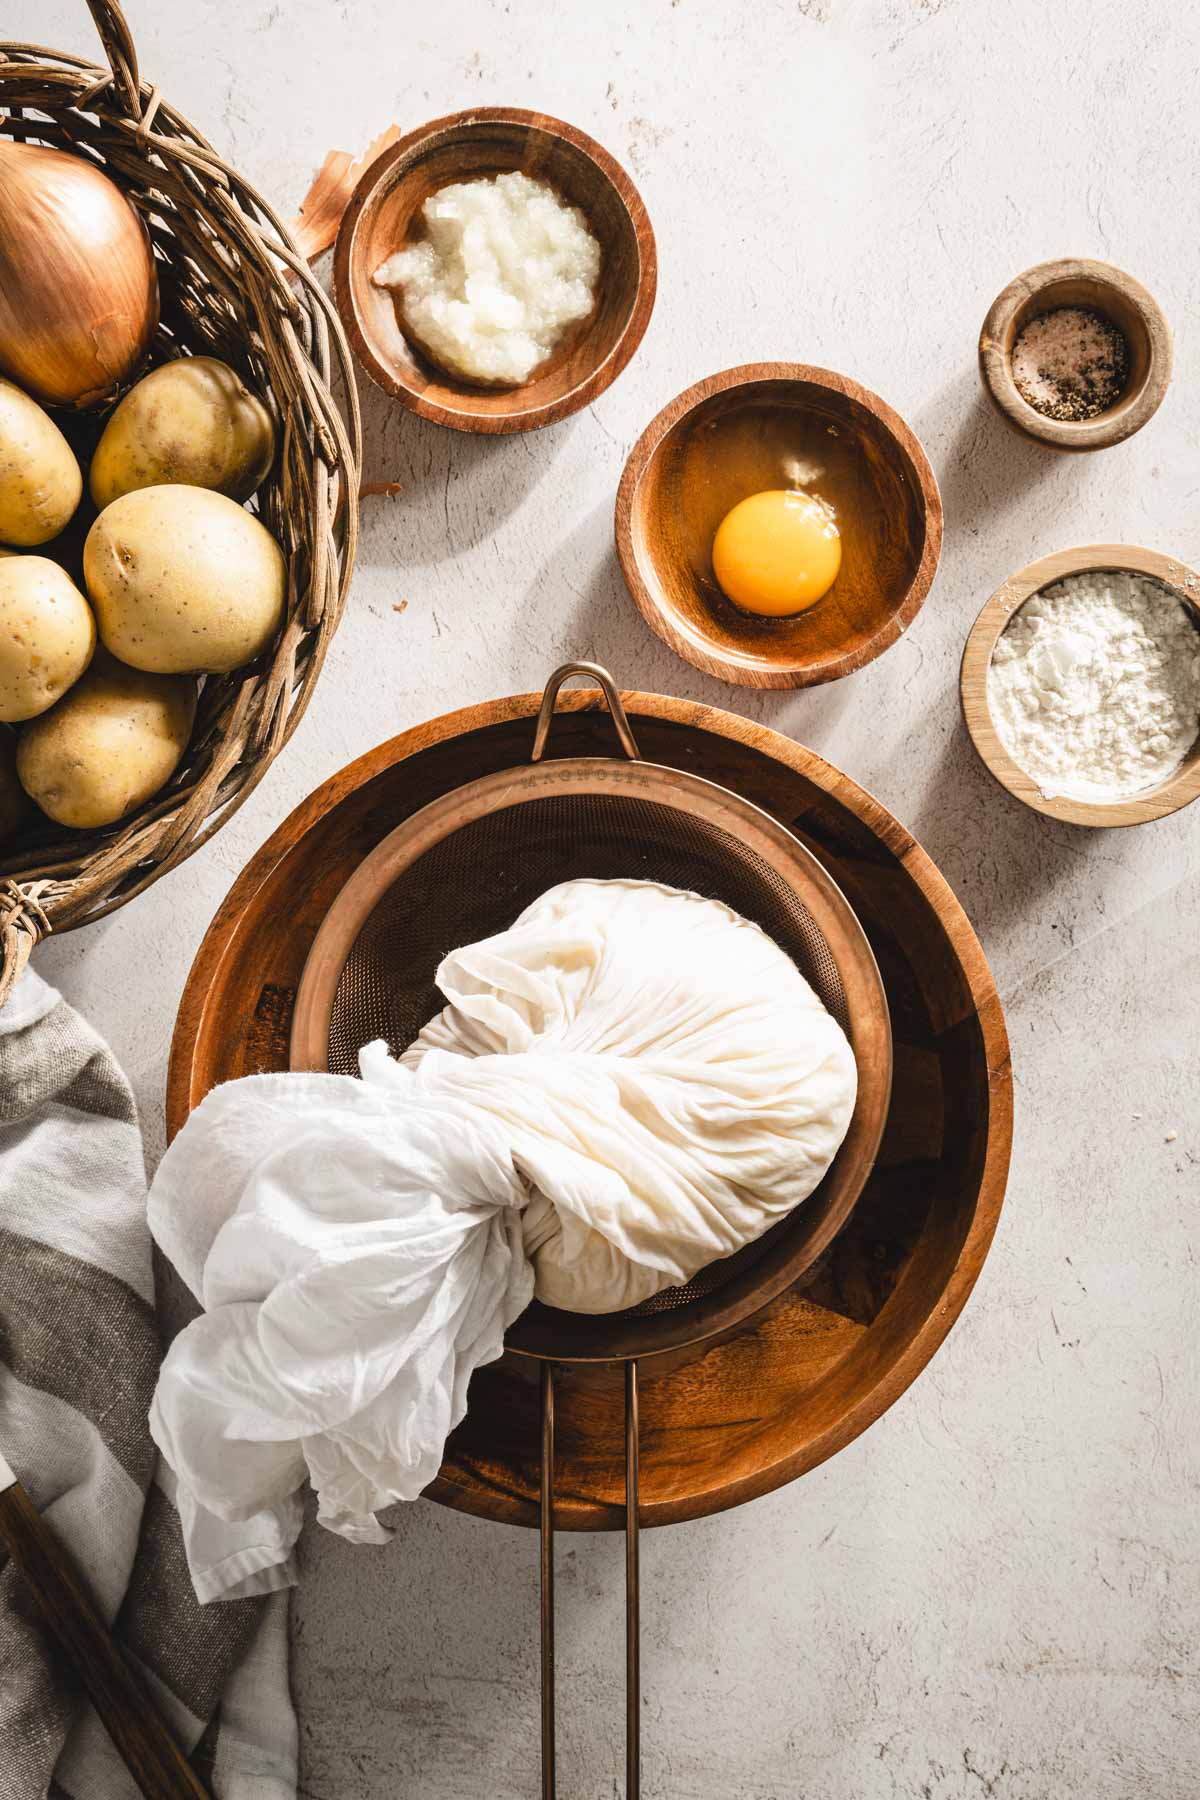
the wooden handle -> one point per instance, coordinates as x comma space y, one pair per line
22, 922
150, 1752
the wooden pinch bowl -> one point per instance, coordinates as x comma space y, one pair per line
384, 214
1078, 281
735, 434
1177, 791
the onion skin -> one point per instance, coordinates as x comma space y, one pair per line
78, 288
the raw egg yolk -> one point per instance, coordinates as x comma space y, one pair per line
777, 552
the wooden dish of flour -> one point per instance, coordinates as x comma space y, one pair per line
1169, 796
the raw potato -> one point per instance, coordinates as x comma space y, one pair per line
47, 635
184, 581
190, 421
13, 801
108, 745
40, 483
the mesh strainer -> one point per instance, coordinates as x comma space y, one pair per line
462, 868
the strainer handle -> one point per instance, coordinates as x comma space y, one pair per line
612, 700
633, 1672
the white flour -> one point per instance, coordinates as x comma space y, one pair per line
1094, 685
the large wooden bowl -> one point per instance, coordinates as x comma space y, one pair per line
384, 214
1179, 789
729, 437
831, 1354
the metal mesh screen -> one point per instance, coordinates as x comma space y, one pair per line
479, 877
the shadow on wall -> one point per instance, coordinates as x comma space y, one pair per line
983, 465
1003, 860
456, 486
809, 716
580, 594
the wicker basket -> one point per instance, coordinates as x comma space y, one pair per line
234, 285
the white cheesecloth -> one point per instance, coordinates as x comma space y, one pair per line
628, 1083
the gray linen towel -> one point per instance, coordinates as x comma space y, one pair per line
79, 1354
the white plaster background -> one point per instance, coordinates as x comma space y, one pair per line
994, 1592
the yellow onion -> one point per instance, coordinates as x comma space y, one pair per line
78, 291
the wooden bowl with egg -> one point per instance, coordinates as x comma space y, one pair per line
1119, 299
385, 215
1178, 790
770, 427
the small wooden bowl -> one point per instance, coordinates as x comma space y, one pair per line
384, 213
1177, 791
1078, 281
728, 437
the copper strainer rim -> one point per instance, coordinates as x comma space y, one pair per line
543, 1332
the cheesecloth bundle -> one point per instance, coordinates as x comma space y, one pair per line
629, 1083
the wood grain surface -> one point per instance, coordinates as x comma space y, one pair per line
125, 1710
828, 1357
677, 485
1078, 281
1177, 791
384, 214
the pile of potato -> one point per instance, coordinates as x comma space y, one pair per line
179, 581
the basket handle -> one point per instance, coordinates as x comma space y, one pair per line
117, 39
22, 923
612, 700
